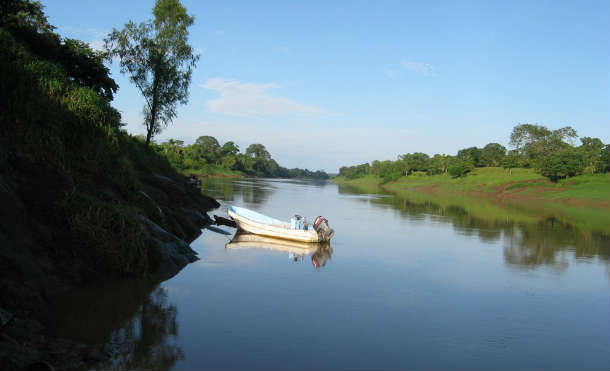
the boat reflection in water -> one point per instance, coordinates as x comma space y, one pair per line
320, 252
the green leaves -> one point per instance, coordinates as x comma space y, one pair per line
28, 25
159, 61
562, 164
458, 168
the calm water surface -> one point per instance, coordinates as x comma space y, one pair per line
403, 285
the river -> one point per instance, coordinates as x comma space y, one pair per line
405, 284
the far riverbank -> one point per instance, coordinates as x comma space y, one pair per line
492, 193
591, 190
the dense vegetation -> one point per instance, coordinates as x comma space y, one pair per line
66, 165
549, 152
207, 157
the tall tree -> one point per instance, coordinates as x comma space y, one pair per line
159, 61
512, 160
591, 149
258, 151
604, 160
229, 148
410, 162
493, 154
208, 147
535, 141
471, 154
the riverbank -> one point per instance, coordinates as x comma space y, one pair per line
83, 201
592, 190
215, 173
523, 197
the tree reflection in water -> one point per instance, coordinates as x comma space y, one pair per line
531, 239
131, 320
230, 189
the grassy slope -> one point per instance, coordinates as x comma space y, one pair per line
510, 196
63, 153
465, 192
522, 183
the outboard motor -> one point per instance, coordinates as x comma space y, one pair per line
321, 255
324, 231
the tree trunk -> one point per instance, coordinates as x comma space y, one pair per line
153, 109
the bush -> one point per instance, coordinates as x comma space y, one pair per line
458, 168
603, 166
563, 164
110, 235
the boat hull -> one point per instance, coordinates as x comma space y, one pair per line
282, 231
244, 239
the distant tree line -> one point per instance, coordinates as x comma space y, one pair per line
550, 152
206, 156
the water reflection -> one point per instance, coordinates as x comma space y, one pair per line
532, 237
240, 190
320, 252
131, 321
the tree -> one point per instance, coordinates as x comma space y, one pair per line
229, 162
353, 172
458, 167
591, 149
208, 148
604, 160
26, 21
417, 161
472, 155
438, 164
258, 151
512, 160
229, 148
492, 154
159, 61
535, 141
525, 135
563, 164
173, 150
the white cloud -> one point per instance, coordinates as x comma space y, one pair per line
243, 99
417, 67
407, 66
392, 74
81, 31
97, 45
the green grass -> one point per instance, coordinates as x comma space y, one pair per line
493, 210
480, 180
590, 188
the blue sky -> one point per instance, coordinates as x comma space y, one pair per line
328, 83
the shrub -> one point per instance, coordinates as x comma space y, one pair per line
563, 164
458, 168
109, 234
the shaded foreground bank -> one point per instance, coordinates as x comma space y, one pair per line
82, 201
